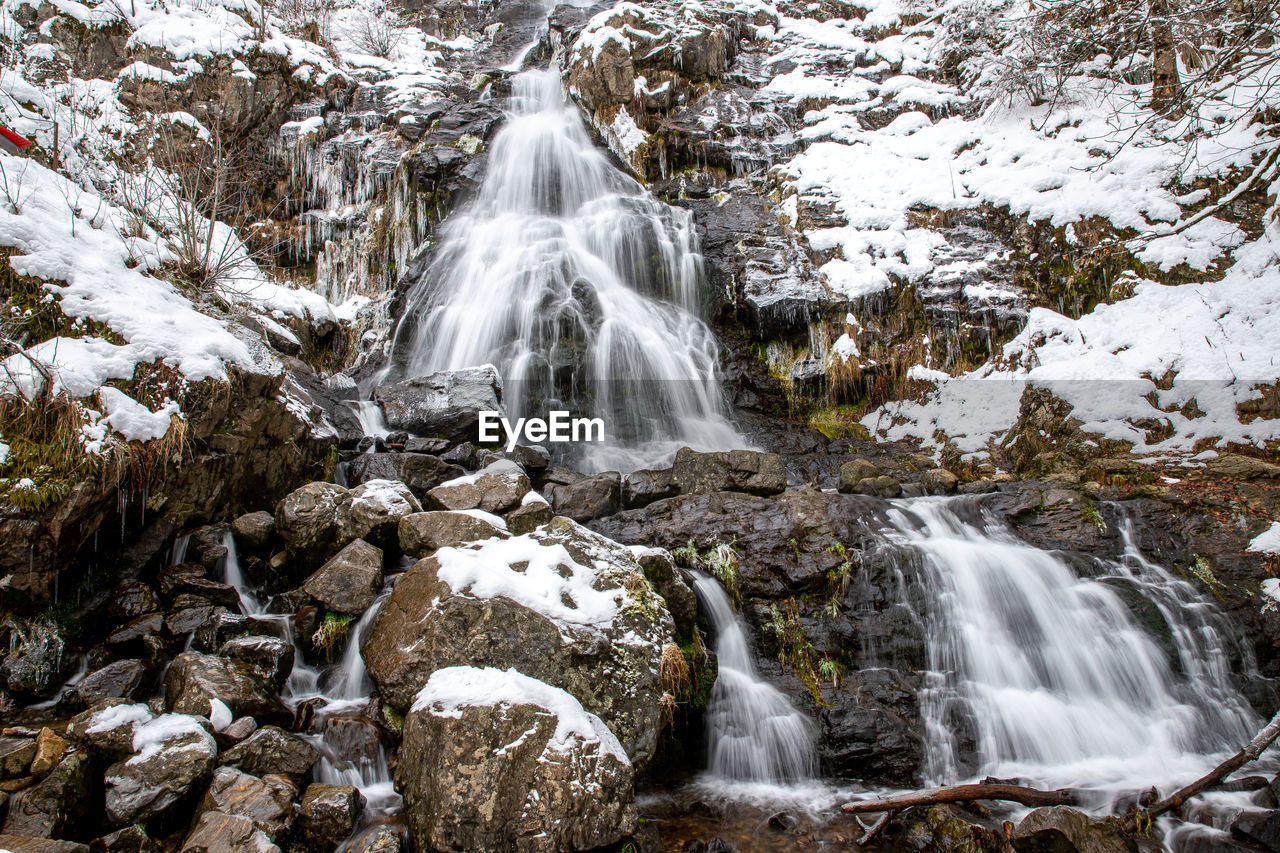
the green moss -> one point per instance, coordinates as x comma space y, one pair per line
702, 673
1091, 515
329, 637
721, 561
840, 422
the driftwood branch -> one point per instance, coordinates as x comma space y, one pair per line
1142, 817
1255, 748
967, 794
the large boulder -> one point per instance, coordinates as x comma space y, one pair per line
560, 604
498, 761
496, 488
350, 581
590, 497
327, 815
1061, 829
194, 679
172, 755
445, 404
120, 679
308, 517
729, 471
272, 750
267, 802
375, 510
424, 532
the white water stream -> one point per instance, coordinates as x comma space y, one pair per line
754, 734
580, 287
1051, 672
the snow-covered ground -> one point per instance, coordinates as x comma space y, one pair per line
1093, 153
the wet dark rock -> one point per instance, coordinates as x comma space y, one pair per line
432, 446
520, 783
376, 839
131, 839
1056, 829
188, 613
26, 844
136, 629
442, 405
56, 806
496, 488
271, 657
308, 519
223, 833
591, 497
1261, 828
253, 530
729, 471
121, 679
169, 577
131, 599
272, 750
660, 570
350, 581
641, 488
763, 529
327, 815
172, 762
211, 591
15, 756
419, 471
424, 532
374, 512
224, 626
194, 678
107, 728
871, 729
946, 829
236, 731
267, 802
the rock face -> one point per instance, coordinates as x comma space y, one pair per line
307, 519
540, 773
327, 815
587, 498
267, 802
173, 754
445, 404
560, 604
350, 581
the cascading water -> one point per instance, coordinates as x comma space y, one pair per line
1050, 672
753, 732
343, 688
581, 288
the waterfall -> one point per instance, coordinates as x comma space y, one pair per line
753, 732
583, 290
1050, 671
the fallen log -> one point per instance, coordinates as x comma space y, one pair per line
1138, 818
968, 793
1141, 818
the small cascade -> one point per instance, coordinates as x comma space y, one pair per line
754, 734
369, 415
580, 287
339, 689
234, 577
1049, 672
